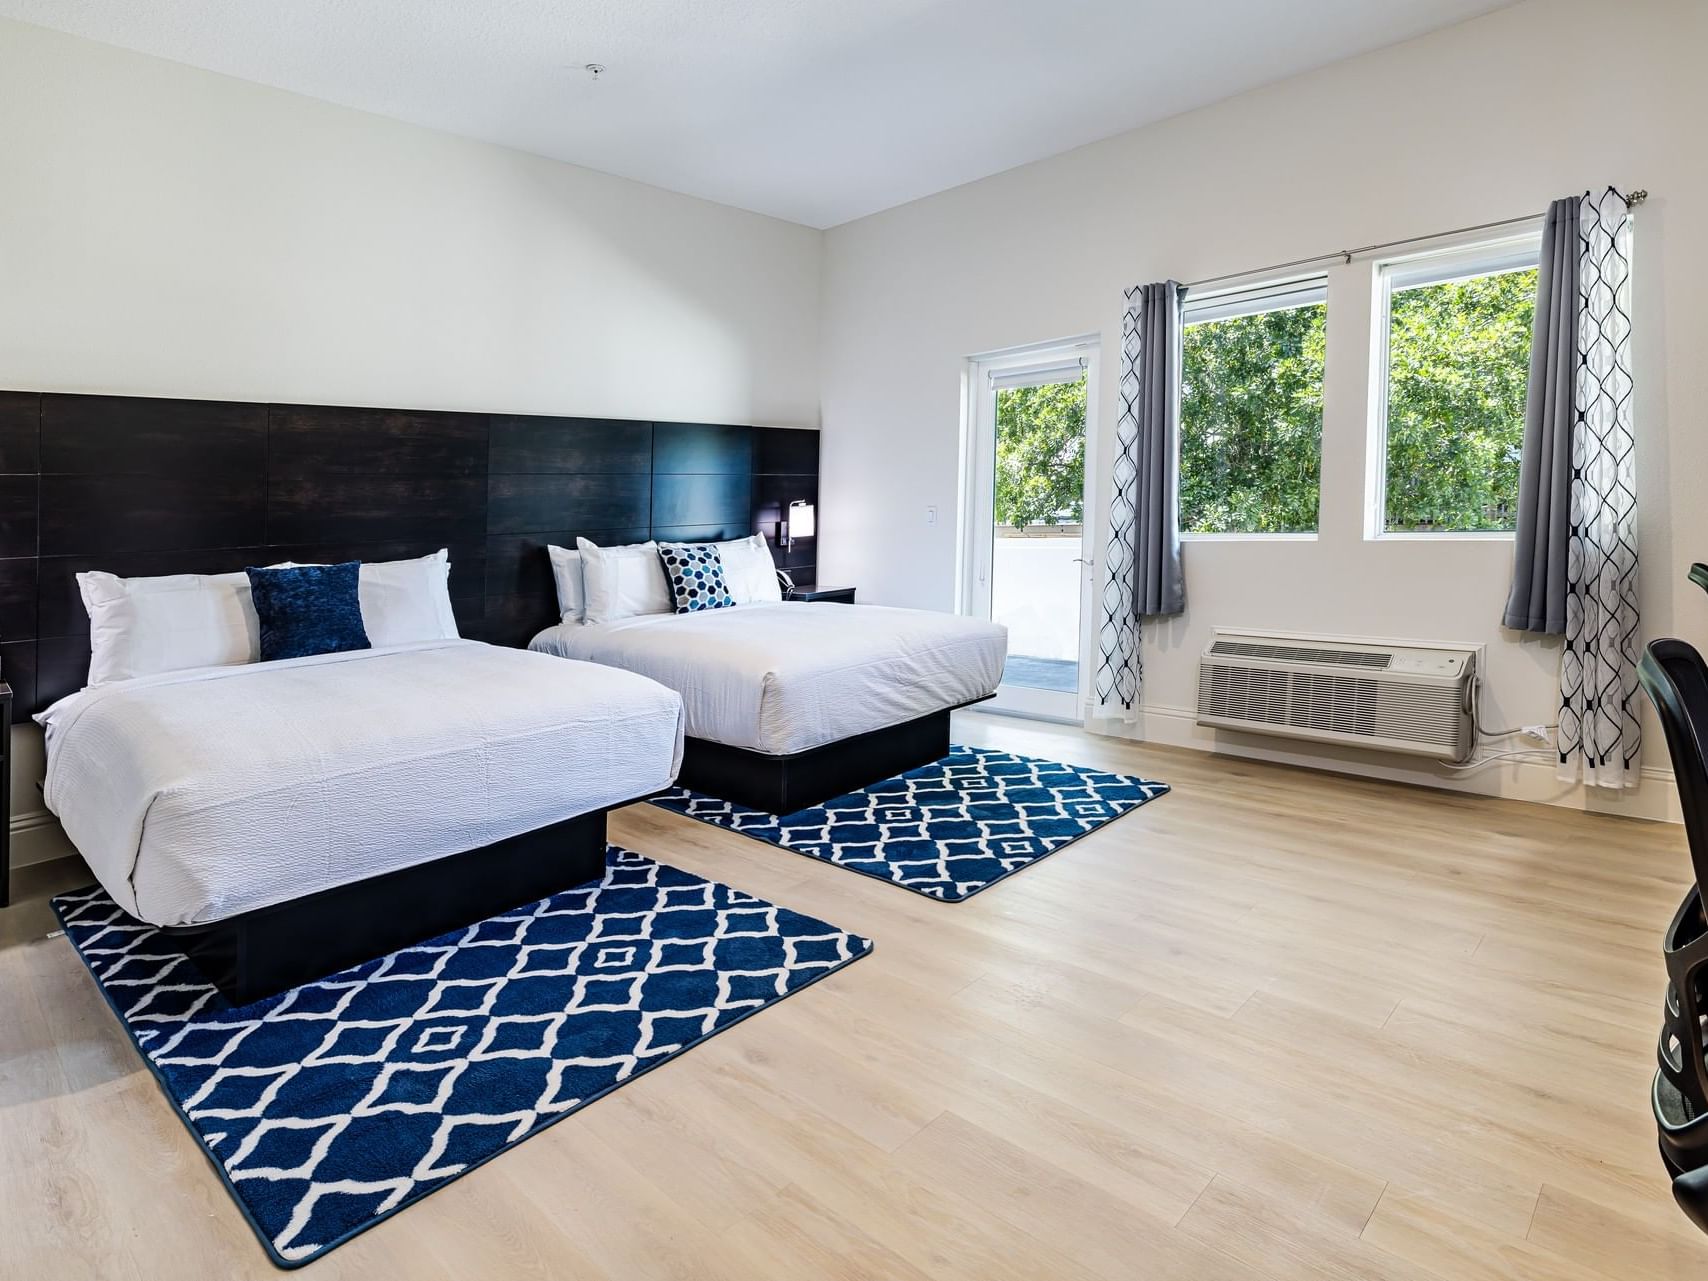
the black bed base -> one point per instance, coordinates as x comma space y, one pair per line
784, 784
271, 949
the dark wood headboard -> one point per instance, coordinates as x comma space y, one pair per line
142, 486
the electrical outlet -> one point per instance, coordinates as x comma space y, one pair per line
1538, 733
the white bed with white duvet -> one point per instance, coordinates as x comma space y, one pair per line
787, 702
196, 795
303, 767
796, 675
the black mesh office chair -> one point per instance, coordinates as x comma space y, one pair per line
1676, 680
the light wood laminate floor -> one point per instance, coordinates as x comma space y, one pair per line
1277, 1024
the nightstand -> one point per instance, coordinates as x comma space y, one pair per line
810, 591
5, 794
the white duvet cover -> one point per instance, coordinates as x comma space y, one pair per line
788, 677
197, 795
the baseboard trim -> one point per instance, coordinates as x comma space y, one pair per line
1655, 798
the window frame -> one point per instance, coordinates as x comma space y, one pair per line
1247, 298
983, 376
1468, 261
976, 488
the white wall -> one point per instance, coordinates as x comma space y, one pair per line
168, 231
1485, 120
165, 230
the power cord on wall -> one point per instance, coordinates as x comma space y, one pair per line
1539, 733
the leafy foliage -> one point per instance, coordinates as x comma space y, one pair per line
1251, 411
1459, 362
1251, 422
1040, 454
1251, 418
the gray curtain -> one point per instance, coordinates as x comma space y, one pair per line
1158, 587
1143, 565
1537, 602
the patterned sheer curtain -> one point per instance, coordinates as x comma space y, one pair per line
1143, 559
1599, 737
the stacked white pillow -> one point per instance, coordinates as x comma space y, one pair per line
749, 571
620, 582
571, 582
143, 626
404, 601
600, 584
140, 626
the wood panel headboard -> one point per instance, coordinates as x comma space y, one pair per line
142, 486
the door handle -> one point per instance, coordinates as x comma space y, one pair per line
1080, 560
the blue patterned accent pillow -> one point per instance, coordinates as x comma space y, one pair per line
696, 574
308, 609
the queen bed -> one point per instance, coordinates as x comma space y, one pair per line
201, 795
287, 818
789, 703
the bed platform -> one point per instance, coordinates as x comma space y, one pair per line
271, 949
784, 784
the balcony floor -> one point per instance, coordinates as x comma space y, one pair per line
1060, 674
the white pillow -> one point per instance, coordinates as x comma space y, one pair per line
571, 583
749, 571
623, 581
407, 600
140, 626
404, 601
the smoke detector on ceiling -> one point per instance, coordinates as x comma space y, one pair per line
594, 71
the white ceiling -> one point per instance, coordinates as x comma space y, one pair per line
817, 111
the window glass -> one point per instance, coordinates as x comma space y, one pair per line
1452, 412
1251, 410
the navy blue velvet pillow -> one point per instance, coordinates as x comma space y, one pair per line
308, 609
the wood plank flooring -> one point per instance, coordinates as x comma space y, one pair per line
1275, 1025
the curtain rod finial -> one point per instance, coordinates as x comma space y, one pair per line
1637, 197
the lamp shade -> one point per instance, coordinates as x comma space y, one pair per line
803, 519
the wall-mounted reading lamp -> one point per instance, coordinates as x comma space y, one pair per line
802, 522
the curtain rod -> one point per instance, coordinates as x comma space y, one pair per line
1347, 255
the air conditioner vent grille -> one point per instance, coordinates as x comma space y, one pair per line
1348, 705
1301, 654
1412, 699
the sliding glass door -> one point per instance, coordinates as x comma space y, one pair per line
1027, 540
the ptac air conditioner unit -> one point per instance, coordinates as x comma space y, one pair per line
1395, 698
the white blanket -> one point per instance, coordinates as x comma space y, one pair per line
785, 678
197, 795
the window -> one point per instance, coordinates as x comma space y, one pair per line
1251, 409
1454, 345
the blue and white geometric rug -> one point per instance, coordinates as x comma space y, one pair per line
948, 829
329, 1107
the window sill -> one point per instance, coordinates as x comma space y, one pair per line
1248, 538
1443, 536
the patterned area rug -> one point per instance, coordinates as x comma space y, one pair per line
948, 829
338, 1103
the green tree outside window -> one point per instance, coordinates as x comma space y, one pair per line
1040, 454
1458, 366
1252, 411
1251, 422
